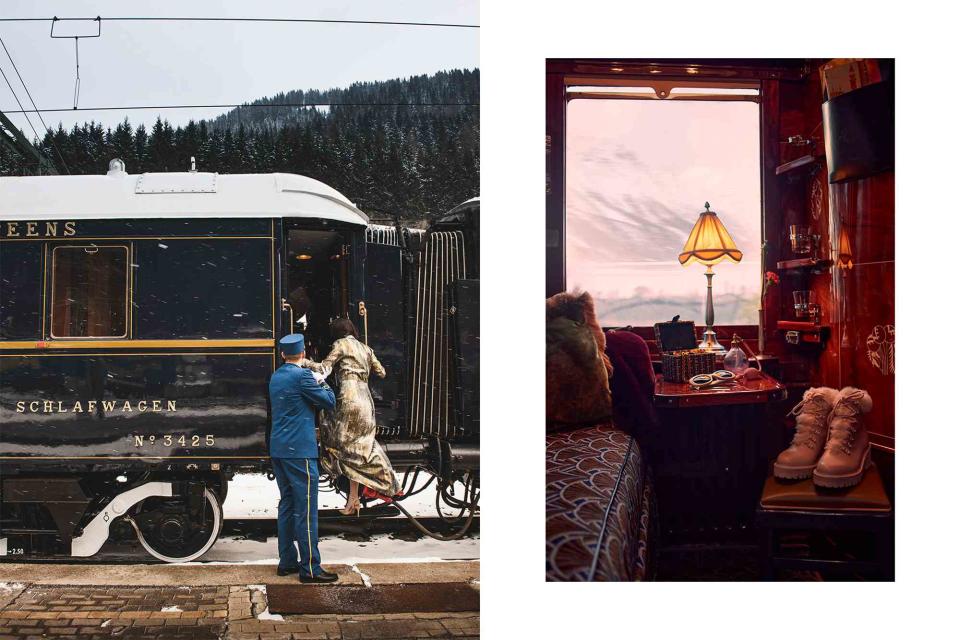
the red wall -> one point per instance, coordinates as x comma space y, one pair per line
857, 303
861, 347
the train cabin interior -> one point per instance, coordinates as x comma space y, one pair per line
318, 285
720, 319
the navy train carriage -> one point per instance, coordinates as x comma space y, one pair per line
138, 321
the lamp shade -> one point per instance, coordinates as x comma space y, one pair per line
844, 253
709, 242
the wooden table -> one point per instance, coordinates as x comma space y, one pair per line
710, 450
680, 395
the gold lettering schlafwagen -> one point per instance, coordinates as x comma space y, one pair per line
96, 406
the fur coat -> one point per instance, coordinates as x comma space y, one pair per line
578, 370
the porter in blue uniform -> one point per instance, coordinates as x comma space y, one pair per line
294, 395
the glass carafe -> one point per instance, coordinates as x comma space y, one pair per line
736, 359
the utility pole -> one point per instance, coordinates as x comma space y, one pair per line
13, 139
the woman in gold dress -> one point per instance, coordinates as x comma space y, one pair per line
350, 447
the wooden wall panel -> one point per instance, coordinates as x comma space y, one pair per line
862, 344
858, 303
556, 106
772, 224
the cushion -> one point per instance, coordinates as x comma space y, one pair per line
803, 495
633, 382
577, 370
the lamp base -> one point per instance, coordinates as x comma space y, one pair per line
710, 342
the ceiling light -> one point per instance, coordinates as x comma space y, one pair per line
304, 256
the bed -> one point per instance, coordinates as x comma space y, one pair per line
598, 506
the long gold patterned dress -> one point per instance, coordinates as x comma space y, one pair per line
350, 446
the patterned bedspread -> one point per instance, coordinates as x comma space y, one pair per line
598, 506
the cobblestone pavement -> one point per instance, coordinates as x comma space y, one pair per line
170, 613
35, 611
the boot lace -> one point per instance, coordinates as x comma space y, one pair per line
843, 427
807, 432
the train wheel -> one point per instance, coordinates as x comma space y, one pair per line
173, 531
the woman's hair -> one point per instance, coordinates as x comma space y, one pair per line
343, 327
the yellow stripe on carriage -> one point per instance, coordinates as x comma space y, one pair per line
43, 345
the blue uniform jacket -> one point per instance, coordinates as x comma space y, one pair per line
294, 394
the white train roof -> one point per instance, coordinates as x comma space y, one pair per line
173, 195
472, 202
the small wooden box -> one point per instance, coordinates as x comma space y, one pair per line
680, 356
680, 366
677, 335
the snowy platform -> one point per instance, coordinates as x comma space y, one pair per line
193, 575
255, 497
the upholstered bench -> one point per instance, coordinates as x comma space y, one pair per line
800, 506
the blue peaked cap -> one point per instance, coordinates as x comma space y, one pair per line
292, 344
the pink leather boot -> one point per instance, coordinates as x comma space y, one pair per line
813, 414
847, 453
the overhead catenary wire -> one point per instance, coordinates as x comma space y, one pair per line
17, 98
45, 127
254, 106
76, 85
101, 19
397, 23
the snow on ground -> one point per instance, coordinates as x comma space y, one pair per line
253, 496
265, 614
338, 550
364, 577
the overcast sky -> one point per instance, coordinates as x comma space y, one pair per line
151, 63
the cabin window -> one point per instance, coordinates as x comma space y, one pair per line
90, 292
638, 171
192, 289
21, 289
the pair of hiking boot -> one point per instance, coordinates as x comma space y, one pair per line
831, 442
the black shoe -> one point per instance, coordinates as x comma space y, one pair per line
321, 577
285, 572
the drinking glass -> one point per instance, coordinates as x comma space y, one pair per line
813, 310
801, 304
800, 239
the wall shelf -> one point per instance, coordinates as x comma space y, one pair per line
804, 263
796, 332
799, 163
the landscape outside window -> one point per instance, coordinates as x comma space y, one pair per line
638, 173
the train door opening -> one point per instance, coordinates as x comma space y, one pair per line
318, 285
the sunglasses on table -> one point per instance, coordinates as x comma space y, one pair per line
717, 378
